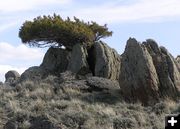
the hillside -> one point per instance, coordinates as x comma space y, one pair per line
94, 88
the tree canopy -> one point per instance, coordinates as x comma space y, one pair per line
55, 31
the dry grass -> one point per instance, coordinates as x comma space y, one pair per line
69, 107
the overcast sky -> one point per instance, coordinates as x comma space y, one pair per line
142, 19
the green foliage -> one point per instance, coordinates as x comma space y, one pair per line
54, 31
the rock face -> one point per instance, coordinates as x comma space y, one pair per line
56, 60
138, 78
11, 76
145, 71
106, 61
78, 62
99, 84
101, 61
148, 72
35, 73
178, 62
166, 68
178, 59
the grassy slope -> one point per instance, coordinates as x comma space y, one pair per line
75, 109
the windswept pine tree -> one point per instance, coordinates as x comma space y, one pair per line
55, 31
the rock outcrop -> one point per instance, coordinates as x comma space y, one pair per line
99, 84
34, 73
178, 62
138, 78
100, 60
148, 72
11, 77
56, 60
106, 61
78, 62
145, 71
166, 68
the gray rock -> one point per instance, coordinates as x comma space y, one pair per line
34, 73
107, 61
78, 62
178, 59
56, 60
167, 70
74, 84
178, 62
98, 84
148, 72
67, 76
1, 83
90, 84
11, 76
138, 78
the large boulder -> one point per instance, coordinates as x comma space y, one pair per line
100, 60
106, 61
12, 74
78, 62
34, 73
56, 60
148, 72
166, 68
11, 77
99, 84
138, 78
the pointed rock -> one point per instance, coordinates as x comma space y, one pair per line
166, 68
138, 78
148, 72
106, 61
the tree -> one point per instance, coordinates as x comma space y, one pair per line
54, 31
